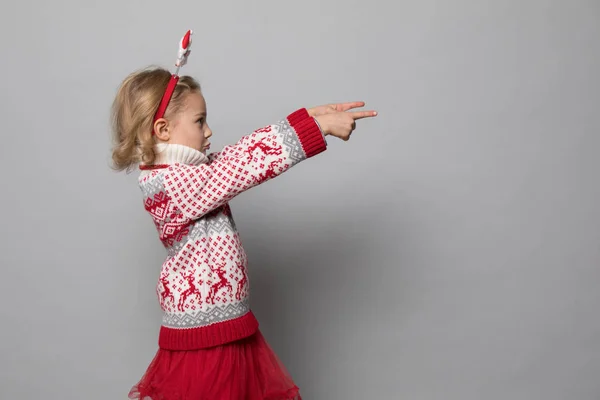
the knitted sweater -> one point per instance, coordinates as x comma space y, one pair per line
203, 285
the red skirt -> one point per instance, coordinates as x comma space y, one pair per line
247, 369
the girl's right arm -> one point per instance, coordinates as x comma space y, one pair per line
254, 159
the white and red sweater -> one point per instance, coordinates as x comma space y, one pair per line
203, 286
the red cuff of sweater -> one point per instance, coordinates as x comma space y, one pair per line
298, 116
309, 133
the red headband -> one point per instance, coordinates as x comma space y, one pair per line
182, 55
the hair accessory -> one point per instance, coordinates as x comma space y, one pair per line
182, 55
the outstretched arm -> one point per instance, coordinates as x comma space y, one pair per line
254, 159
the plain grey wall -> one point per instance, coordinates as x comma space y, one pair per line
449, 251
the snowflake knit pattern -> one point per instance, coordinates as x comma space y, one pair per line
203, 287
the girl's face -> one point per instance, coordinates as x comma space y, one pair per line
189, 127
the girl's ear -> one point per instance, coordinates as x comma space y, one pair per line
161, 129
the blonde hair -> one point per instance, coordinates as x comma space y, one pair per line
133, 111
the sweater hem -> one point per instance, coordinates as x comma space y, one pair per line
207, 336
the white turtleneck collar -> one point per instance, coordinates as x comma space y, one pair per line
168, 153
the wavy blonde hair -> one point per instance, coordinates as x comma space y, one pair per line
133, 110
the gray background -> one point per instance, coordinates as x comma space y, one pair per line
449, 251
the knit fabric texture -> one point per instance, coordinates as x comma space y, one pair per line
203, 287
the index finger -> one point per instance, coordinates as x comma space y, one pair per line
362, 114
349, 105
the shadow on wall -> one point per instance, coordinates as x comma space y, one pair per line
311, 289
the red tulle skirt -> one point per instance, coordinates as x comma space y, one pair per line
247, 369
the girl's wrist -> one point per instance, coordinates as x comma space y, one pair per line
320, 127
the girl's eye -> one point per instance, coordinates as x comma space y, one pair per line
201, 121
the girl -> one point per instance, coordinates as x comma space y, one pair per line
210, 347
